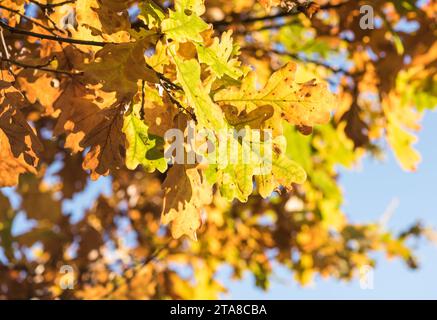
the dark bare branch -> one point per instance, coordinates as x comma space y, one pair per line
42, 67
51, 5
52, 37
299, 9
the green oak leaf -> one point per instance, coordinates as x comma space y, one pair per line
218, 56
182, 27
150, 13
143, 148
285, 172
207, 112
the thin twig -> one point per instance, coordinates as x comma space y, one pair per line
6, 51
40, 67
137, 268
143, 96
264, 27
53, 37
5, 47
300, 58
48, 8
27, 18
166, 83
51, 5
75, 41
176, 102
296, 11
44, 27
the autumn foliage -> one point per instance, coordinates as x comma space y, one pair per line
89, 88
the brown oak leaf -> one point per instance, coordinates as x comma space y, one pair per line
186, 192
19, 144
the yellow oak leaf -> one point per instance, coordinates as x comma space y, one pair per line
302, 104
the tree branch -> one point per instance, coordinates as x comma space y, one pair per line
53, 37
27, 18
136, 268
296, 11
39, 67
51, 5
6, 51
3, 43
166, 83
300, 58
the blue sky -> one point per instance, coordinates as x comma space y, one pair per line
369, 191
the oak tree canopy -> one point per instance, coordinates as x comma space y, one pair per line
89, 88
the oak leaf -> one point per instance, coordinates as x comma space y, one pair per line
19, 144
102, 20
208, 113
218, 56
107, 143
119, 67
302, 104
142, 147
184, 24
186, 192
